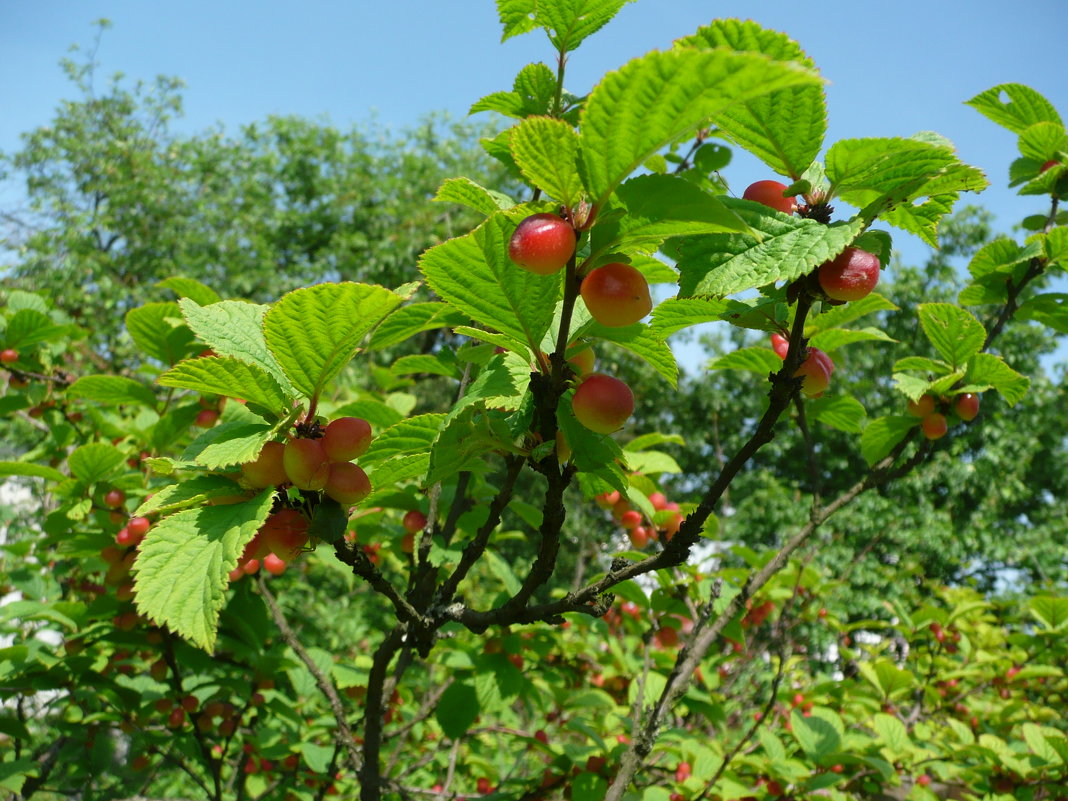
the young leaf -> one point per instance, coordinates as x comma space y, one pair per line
516, 16
1002, 256
180, 574
569, 22
658, 98
754, 360
112, 390
782, 249
314, 332
225, 375
233, 328
546, 152
1014, 106
954, 332
784, 128
474, 274
95, 462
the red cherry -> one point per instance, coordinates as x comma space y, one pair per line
934, 426
966, 406
603, 403
780, 345
114, 499
542, 244
851, 275
770, 193
414, 521
922, 407
206, 418
9, 356
346, 438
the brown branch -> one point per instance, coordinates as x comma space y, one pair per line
374, 708
326, 687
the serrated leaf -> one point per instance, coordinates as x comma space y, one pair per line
900, 169
192, 492
783, 248
314, 332
386, 474
468, 193
887, 677
182, 566
224, 375
436, 364
569, 22
1001, 256
94, 462
640, 443
1051, 612
834, 338
989, 290
843, 412
986, 369
112, 390
190, 288
30, 469
150, 327
474, 274
955, 332
546, 152
413, 435
675, 314
785, 128
234, 328
516, 16
837, 316
1014, 106
591, 453
913, 388
882, 435
923, 365
754, 360
1055, 244
641, 341
651, 463
660, 97
407, 321
1043, 141
228, 443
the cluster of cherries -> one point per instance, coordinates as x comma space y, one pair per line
615, 294
641, 531
932, 412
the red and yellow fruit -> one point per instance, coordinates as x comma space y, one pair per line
603, 403
616, 295
542, 244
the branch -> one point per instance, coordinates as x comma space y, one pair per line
370, 772
326, 687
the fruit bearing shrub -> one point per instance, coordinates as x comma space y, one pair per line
273, 576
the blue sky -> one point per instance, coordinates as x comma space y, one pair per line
894, 68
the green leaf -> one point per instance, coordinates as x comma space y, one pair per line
955, 332
29, 326
30, 469
782, 248
193, 492
231, 442
1014, 106
1050, 612
225, 375
569, 22
923, 365
533, 94
182, 567
675, 314
911, 387
474, 274
190, 288
644, 344
1055, 244
546, 152
1002, 256
13, 773
314, 332
587, 786
887, 677
437, 364
892, 733
410, 436
112, 390
660, 97
882, 434
834, 338
467, 193
837, 316
407, 321
843, 412
1044, 141
591, 453
785, 128
651, 463
1049, 309
820, 733
986, 369
234, 328
457, 709
95, 461
516, 16
151, 327
761, 361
